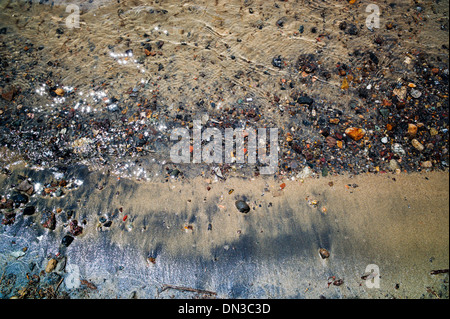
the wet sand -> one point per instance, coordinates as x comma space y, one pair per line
199, 239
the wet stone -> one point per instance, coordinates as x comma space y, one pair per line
242, 206
49, 220
51, 265
324, 253
277, 62
19, 199
67, 240
29, 210
305, 100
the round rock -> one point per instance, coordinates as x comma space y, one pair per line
242, 206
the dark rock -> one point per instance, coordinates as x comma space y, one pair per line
49, 220
343, 25
74, 228
25, 187
19, 199
67, 240
242, 206
108, 223
7, 205
353, 29
29, 210
305, 100
277, 62
373, 57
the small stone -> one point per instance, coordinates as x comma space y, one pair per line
26, 187
59, 92
398, 149
324, 253
416, 93
412, 129
355, 133
417, 145
427, 164
242, 206
277, 62
75, 230
331, 141
353, 29
433, 132
67, 240
49, 220
384, 140
19, 199
29, 210
305, 173
305, 100
51, 265
393, 165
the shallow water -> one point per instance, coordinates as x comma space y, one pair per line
214, 61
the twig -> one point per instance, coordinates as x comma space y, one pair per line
201, 291
59, 284
440, 271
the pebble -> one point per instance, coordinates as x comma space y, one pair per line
412, 129
355, 133
433, 132
384, 140
19, 199
393, 165
417, 145
305, 100
49, 220
324, 253
427, 164
51, 265
29, 210
67, 240
242, 206
416, 93
398, 149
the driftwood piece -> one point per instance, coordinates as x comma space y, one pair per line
200, 291
440, 271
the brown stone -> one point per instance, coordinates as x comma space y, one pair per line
324, 253
412, 129
355, 133
51, 265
